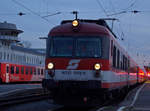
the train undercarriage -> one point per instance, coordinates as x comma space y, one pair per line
71, 94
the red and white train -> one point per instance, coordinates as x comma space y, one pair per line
17, 63
147, 68
85, 64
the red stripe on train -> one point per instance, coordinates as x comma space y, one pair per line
117, 84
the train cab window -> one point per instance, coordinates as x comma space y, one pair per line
62, 46
90, 47
12, 70
114, 56
22, 70
17, 70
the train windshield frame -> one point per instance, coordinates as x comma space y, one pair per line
87, 47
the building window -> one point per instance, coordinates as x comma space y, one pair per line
0, 55
4, 55
7, 56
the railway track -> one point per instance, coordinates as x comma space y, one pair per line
23, 96
108, 103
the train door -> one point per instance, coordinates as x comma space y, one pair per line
7, 73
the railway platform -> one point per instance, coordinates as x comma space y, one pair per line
140, 99
6, 89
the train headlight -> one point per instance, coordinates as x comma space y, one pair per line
75, 23
50, 65
97, 66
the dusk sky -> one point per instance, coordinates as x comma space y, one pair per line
134, 28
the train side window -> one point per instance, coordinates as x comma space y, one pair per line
7, 69
39, 71
22, 70
128, 65
121, 61
111, 47
114, 56
12, 69
34, 71
26, 70
17, 70
118, 59
31, 70
124, 63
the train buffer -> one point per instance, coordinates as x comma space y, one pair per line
140, 100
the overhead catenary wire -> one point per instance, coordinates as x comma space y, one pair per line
131, 5
37, 14
99, 3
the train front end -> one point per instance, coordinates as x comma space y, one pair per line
76, 60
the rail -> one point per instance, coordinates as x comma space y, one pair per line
24, 96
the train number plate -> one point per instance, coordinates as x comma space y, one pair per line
74, 72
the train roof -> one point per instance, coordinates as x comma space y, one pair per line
86, 26
101, 22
